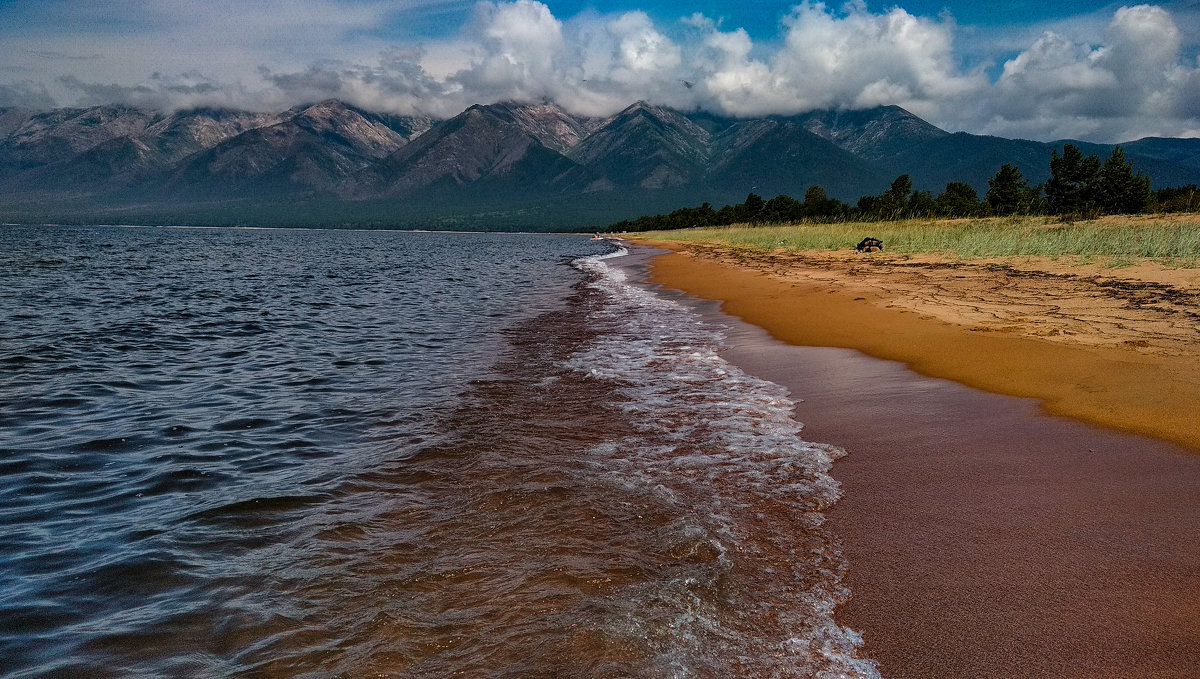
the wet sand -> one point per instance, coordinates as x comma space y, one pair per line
1114, 350
986, 538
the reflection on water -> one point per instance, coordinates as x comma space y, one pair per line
323, 453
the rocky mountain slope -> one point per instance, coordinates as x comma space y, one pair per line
483, 149
646, 147
312, 149
536, 163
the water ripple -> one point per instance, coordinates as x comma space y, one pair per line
193, 419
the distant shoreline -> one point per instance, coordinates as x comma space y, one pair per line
296, 228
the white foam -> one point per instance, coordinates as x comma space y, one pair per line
711, 436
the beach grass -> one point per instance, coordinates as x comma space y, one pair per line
1115, 241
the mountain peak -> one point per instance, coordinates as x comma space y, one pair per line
546, 122
327, 109
872, 133
647, 146
508, 153
642, 106
327, 104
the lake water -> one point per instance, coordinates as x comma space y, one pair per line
260, 453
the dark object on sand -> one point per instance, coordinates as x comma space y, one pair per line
869, 245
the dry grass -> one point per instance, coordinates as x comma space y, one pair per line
1173, 239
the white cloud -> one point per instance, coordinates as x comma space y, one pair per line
615, 60
519, 55
159, 92
830, 59
395, 82
642, 52
1106, 79
25, 93
1130, 85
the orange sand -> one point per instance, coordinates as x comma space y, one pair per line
1114, 347
984, 539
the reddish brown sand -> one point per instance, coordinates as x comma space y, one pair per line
985, 538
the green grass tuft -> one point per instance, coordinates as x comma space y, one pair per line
1174, 239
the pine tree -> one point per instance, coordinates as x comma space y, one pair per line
817, 204
921, 204
782, 208
752, 209
891, 204
1009, 192
1074, 186
959, 200
1121, 191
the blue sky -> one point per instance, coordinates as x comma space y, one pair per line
761, 18
1025, 68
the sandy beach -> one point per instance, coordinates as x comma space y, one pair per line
1022, 490
1115, 347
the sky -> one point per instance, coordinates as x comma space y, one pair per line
1033, 69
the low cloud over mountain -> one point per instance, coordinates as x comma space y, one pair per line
507, 164
1125, 73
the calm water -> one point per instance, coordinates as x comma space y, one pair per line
330, 453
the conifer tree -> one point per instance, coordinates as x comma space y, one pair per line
751, 210
921, 204
1120, 190
782, 208
1074, 186
891, 204
959, 200
1009, 192
817, 204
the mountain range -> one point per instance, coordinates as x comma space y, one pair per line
502, 166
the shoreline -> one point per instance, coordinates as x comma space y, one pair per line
1106, 348
985, 538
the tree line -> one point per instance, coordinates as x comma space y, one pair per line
1079, 185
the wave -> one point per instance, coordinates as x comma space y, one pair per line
753, 578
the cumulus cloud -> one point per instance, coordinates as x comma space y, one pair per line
618, 59
395, 82
851, 59
519, 54
1132, 84
1118, 82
